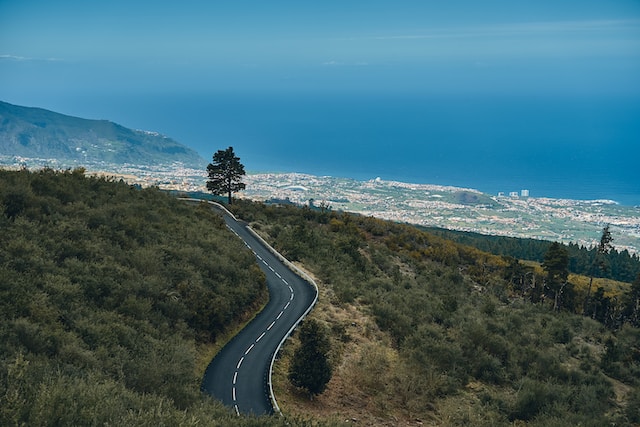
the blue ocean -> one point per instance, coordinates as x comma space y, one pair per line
570, 146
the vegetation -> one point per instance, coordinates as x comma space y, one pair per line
621, 265
38, 133
310, 369
107, 292
475, 339
225, 173
599, 261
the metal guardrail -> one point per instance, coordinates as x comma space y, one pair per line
293, 268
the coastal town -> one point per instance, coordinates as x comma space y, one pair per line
464, 209
515, 214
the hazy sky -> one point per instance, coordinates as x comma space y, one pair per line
63, 47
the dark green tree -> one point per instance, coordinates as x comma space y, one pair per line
556, 264
225, 173
631, 310
599, 261
310, 368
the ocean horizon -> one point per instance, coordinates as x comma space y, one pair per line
559, 146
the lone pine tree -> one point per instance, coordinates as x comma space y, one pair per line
310, 368
225, 173
556, 264
599, 263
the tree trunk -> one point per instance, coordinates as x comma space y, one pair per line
586, 300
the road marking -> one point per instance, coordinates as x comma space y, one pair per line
240, 362
260, 337
279, 276
271, 325
285, 282
235, 377
287, 306
237, 410
271, 268
259, 257
265, 263
291, 299
281, 313
291, 289
249, 349
233, 392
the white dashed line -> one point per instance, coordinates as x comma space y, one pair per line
285, 282
240, 362
271, 325
249, 349
278, 275
291, 289
235, 377
279, 315
261, 336
287, 306
237, 410
233, 393
259, 257
291, 299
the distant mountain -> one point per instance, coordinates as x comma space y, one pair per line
38, 133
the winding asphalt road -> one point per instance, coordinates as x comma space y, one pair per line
240, 373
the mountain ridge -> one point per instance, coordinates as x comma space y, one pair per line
33, 132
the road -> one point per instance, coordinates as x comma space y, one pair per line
239, 375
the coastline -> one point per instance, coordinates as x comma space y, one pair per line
457, 208
444, 206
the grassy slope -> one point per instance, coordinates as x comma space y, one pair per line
107, 296
428, 331
109, 293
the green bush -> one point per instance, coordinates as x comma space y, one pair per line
106, 291
456, 321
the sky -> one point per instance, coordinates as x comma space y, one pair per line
288, 83
64, 47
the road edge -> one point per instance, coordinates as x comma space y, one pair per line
293, 268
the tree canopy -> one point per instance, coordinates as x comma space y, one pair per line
225, 173
310, 368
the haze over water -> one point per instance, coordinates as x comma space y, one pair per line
497, 96
564, 147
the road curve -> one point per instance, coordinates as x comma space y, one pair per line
240, 374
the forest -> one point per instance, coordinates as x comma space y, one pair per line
108, 292
464, 331
621, 265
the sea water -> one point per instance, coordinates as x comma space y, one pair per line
569, 146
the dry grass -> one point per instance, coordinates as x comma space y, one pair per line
363, 361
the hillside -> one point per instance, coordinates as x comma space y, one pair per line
109, 296
37, 133
429, 332
621, 265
